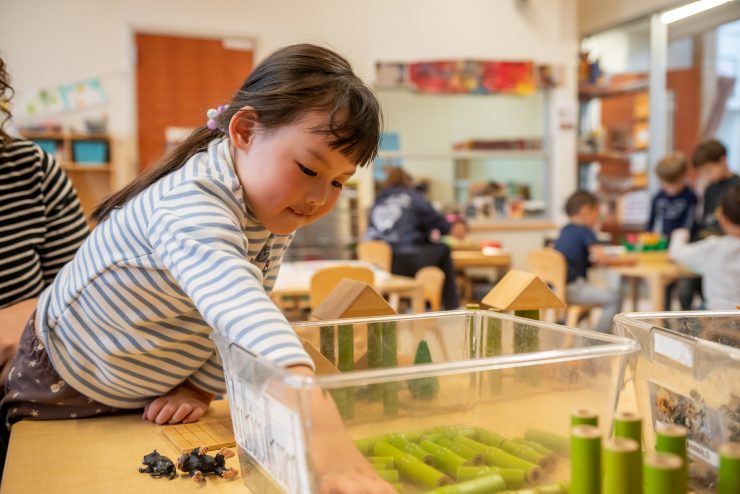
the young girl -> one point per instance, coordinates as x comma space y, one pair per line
194, 246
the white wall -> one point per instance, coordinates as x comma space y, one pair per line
49, 43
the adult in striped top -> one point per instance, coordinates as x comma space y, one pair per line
41, 226
194, 246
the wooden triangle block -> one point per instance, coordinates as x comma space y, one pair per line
352, 298
519, 290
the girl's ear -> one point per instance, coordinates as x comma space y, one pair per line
242, 127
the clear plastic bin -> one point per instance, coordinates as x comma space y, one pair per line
503, 373
688, 373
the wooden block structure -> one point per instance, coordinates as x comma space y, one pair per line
213, 434
352, 298
519, 290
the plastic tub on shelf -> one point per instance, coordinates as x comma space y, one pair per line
688, 373
503, 373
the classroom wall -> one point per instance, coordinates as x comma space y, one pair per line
596, 15
49, 43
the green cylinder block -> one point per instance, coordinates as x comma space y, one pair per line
628, 425
729, 469
585, 460
662, 473
622, 466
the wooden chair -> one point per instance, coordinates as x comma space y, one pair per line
432, 278
325, 280
551, 267
376, 252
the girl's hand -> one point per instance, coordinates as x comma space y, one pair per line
182, 404
339, 466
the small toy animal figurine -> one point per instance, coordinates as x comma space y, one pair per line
158, 466
197, 463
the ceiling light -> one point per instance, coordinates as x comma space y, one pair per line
689, 10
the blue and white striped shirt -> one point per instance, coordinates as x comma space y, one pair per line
129, 318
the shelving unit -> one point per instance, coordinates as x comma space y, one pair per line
86, 158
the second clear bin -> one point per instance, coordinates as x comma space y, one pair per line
688, 374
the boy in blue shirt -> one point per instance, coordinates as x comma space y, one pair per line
675, 205
672, 208
577, 242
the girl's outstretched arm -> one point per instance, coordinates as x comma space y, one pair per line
339, 466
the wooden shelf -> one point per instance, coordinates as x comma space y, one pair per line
590, 91
464, 155
74, 167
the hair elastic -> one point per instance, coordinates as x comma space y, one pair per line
212, 114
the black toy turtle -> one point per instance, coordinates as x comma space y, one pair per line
158, 466
197, 463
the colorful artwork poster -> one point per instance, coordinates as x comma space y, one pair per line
473, 77
703, 423
83, 95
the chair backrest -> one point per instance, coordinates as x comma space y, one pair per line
376, 252
432, 279
550, 266
324, 280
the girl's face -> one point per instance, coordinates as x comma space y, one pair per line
290, 175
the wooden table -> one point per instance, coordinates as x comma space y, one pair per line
657, 275
295, 277
99, 455
464, 257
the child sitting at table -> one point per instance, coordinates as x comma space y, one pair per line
717, 258
577, 242
672, 208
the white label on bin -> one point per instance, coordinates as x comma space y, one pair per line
270, 433
673, 349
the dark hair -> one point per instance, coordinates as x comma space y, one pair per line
284, 87
578, 200
4, 101
672, 168
730, 204
396, 177
710, 151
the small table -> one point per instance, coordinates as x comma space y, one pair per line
294, 280
464, 257
657, 275
99, 455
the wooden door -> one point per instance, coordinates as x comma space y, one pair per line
178, 79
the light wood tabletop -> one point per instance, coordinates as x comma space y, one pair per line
465, 258
99, 455
295, 277
657, 275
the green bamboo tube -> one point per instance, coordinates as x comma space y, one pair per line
474, 457
585, 460
672, 439
445, 459
488, 438
412, 449
385, 461
662, 474
527, 453
493, 347
346, 346
583, 416
552, 441
326, 343
729, 469
499, 458
555, 488
471, 331
481, 485
344, 400
622, 466
390, 359
513, 477
411, 467
470, 432
526, 340
375, 357
628, 425
423, 388
389, 475
551, 455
